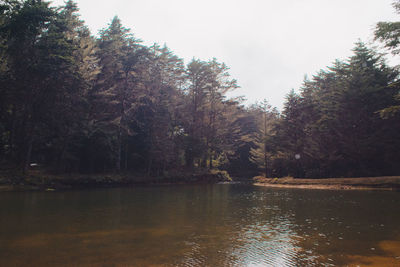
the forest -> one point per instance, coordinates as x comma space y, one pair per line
74, 102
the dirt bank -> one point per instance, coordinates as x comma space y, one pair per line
361, 183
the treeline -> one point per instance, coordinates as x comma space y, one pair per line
75, 103
72, 103
335, 125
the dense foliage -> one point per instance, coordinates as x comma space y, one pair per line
72, 102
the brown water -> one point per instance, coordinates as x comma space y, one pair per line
220, 225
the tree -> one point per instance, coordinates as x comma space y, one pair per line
120, 58
334, 123
242, 127
198, 74
389, 34
262, 152
290, 134
208, 84
162, 84
42, 73
70, 124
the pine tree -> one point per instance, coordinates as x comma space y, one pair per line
261, 153
119, 56
206, 123
42, 73
389, 34
164, 78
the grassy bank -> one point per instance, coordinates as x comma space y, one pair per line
385, 182
41, 180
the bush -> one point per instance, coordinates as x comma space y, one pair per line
222, 175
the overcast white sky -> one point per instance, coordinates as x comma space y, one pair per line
269, 45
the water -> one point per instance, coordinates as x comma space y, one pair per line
220, 225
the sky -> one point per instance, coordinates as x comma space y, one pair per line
269, 45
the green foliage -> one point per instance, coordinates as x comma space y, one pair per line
334, 124
75, 103
389, 34
208, 122
262, 152
223, 175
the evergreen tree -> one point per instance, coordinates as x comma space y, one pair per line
71, 124
337, 130
119, 56
389, 34
42, 73
208, 84
291, 134
262, 152
163, 82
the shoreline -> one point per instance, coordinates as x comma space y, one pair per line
388, 183
42, 181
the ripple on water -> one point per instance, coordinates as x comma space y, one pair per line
199, 226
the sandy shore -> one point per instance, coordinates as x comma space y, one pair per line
362, 183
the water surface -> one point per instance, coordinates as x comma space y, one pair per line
213, 225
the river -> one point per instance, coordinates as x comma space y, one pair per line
202, 225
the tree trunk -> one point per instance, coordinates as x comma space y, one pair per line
265, 162
12, 133
265, 141
149, 166
203, 162
126, 157
28, 154
189, 158
119, 150
164, 167
60, 162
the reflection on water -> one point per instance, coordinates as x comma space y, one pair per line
220, 225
